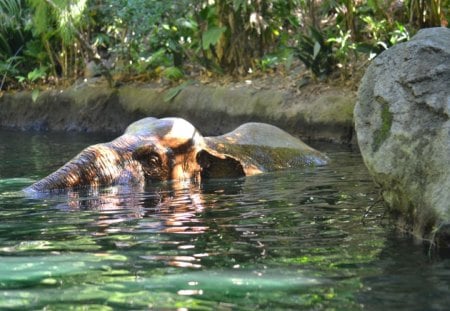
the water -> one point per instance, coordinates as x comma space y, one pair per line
291, 240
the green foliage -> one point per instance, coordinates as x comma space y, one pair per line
13, 37
173, 73
156, 38
343, 43
367, 27
281, 58
212, 36
143, 35
316, 53
381, 35
250, 29
12, 30
34, 75
57, 28
10, 68
174, 91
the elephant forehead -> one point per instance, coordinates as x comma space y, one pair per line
140, 127
175, 132
170, 132
165, 127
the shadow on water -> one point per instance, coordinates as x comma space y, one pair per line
284, 240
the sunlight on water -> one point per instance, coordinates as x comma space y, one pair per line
16, 181
303, 239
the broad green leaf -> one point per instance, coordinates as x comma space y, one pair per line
174, 91
237, 4
316, 49
212, 36
37, 73
35, 95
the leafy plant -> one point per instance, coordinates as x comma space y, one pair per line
283, 57
173, 73
343, 47
14, 36
316, 53
399, 34
33, 76
58, 25
12, 30
153, 38
36, 74
212, 36
9, 67
382, 35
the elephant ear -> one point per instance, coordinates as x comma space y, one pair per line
218, 165
260, 147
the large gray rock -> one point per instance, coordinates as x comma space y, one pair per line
402, 124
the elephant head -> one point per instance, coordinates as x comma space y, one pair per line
172, 149
150, 149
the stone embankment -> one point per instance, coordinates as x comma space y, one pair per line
94, 107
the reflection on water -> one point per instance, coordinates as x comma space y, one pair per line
285, 240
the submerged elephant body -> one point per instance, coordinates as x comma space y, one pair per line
172, 149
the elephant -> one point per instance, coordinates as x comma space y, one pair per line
163, 149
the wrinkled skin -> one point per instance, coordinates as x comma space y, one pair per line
172, 149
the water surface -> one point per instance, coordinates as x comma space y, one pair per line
293, 240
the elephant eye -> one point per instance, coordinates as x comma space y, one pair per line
154, 159
147, 157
